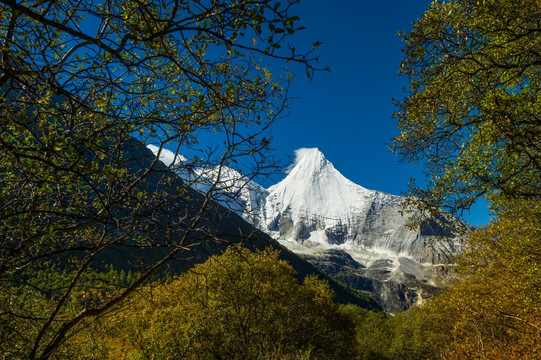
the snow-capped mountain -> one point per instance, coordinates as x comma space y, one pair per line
225, 185
315, 206
356, 235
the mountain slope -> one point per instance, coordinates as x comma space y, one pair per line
220, 226
231, 189
353, 234
359, 236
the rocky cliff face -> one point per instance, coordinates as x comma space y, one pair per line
353, 234
218, 227
356, 235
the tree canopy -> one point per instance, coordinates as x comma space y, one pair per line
239, 305
496, 309
471, 114
79, 79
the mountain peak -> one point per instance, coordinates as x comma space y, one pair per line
308, 160
312, 169
308, 153
314, 186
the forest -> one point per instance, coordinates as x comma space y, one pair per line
108, 254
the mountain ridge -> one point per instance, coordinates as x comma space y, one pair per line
324, 217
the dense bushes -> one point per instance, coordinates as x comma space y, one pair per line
240, 305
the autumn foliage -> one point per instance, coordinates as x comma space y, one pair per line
239, 305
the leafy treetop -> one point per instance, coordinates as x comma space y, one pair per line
472, 113
78, 79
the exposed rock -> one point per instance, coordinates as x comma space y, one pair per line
353, 234
356, 235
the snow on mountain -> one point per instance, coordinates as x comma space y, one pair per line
356, 235
313, 187
316, 206
166, 156
319, 214
225, 185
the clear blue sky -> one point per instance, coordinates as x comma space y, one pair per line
347, 112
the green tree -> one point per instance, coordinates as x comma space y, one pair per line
496, 309
472, 110
77, 80
472, 114
239, 305
373, 332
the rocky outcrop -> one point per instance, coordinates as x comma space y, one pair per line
395, 290
356, 235
353, 234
